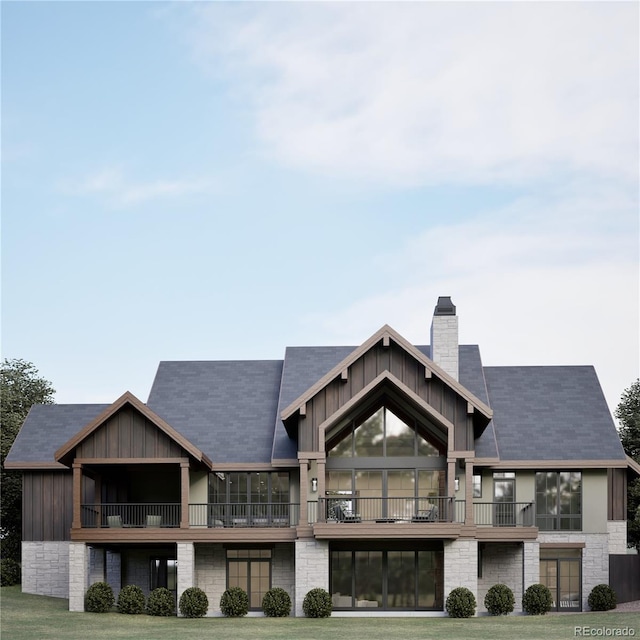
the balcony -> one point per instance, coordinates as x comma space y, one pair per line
500, 521
167, 515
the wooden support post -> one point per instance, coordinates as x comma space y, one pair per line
184, 495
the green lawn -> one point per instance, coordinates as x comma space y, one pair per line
26, 617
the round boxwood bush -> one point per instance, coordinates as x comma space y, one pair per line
499, 600
10, 572
193, 603
602, 598
161, 603
234, 602
131, 600
317, 604
276, 603
537, 600
461, 603
99, 598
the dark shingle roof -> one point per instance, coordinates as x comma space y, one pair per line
225, 408
551, 413
47, 427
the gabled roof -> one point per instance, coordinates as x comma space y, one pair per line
225, 408
63, 453
386, 333
46, 428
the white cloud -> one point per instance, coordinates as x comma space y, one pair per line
425, 93
120, 191
534, 285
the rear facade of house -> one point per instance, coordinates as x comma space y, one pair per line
386, 473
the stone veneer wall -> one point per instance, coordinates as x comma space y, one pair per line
113, 571
311, 569
211, 572
595, 558
186, 558
501, 564
78, 574
45, 568
617, 530
460, 565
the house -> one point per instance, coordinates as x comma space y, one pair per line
387, 473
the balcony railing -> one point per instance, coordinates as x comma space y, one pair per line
350, 508
269, 514
504, 514
117, 515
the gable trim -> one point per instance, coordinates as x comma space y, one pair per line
385, 334
385, 376
128, 398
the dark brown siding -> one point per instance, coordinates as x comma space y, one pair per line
47, 505
362, 372
128, 434
617, 494
624, 577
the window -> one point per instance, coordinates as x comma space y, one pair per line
388, 579
384, 433
561, 572
477, 486
163, 573
559, 500
250, 569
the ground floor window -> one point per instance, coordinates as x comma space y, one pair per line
387, 578
250, 569
561, 572
164, 573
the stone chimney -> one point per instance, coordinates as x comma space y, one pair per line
444, 336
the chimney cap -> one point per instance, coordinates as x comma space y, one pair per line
445, 307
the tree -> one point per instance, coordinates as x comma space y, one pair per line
628, 413
20, 387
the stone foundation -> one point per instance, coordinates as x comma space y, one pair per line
45, 568
460, 565
311, 569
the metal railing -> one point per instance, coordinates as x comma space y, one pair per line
118, 515
270, 514
352, 508
504, 514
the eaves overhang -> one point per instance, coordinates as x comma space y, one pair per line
64, 454
385, 335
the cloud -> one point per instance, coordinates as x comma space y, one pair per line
431, 93
535, 284
122, 192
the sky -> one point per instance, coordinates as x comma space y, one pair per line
219, 180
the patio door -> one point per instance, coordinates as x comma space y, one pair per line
504, 497
563, 577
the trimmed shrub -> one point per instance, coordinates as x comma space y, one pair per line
317, 604
499, 600
234, 603
10, 572
161, 603
602, 598
99, 598
193, 603
276, 603
131, 600
461, 603
537, 600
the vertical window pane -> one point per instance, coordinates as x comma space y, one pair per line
430, 579
368, 570
401, 579
369, 436
369, 490
400, 436
341, 578
401, 503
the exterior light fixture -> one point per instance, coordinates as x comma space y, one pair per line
457, 484
314, 484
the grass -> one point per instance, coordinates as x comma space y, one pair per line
28, 617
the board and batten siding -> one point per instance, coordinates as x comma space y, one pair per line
128, 434
47, 505
617, 494
363, 371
